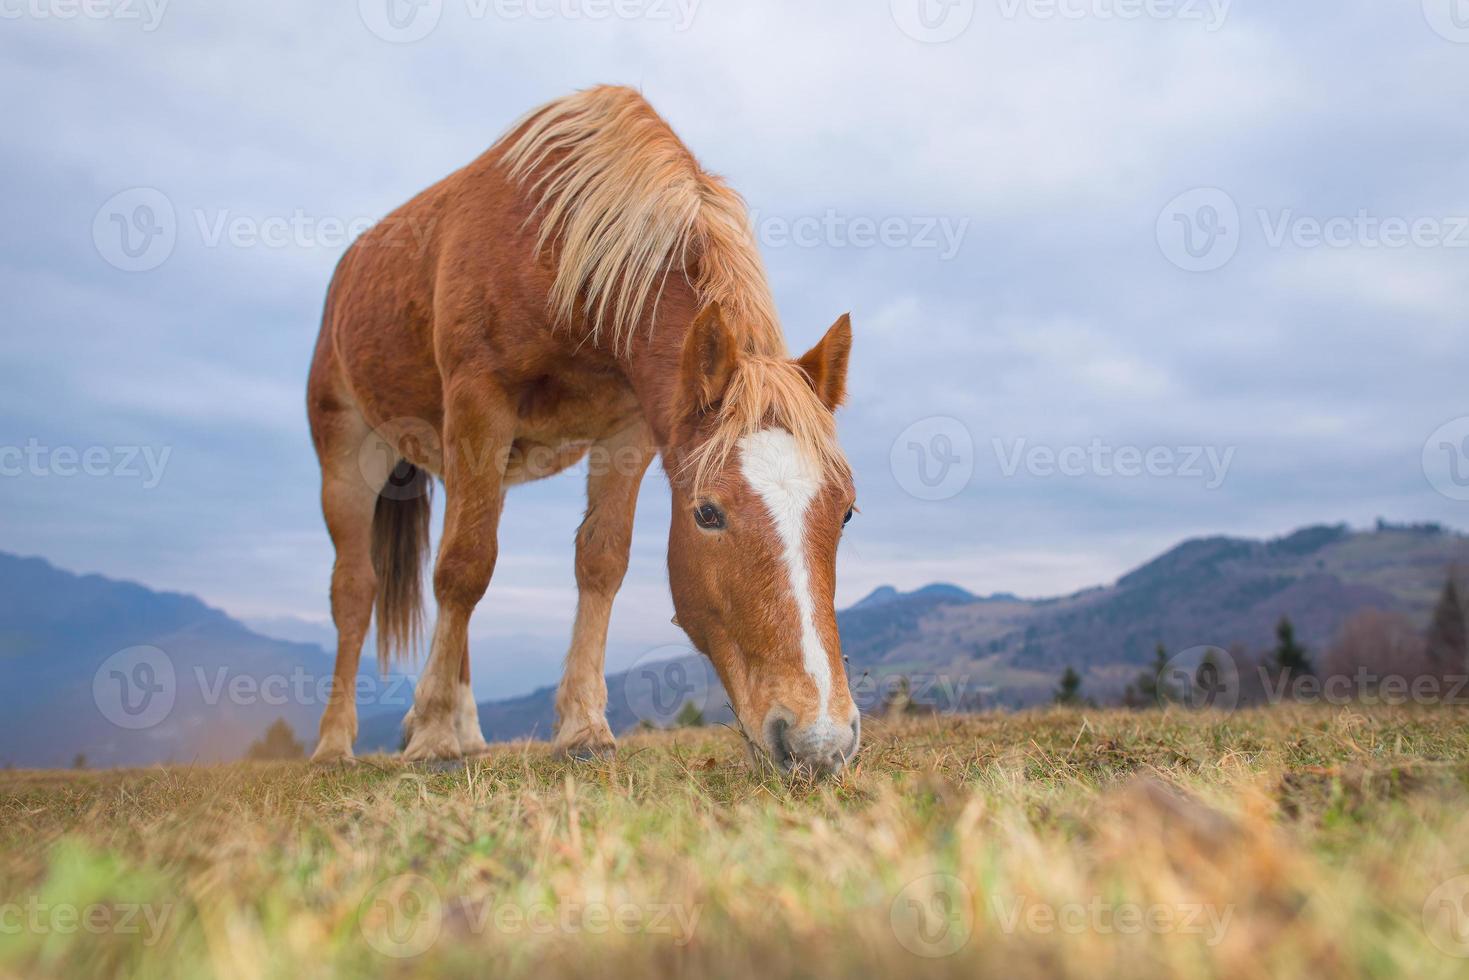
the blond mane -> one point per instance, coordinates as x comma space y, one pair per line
629, 205
765, 392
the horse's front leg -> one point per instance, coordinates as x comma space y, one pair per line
615, 468
479, 429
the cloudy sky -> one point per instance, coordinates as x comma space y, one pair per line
1121, 271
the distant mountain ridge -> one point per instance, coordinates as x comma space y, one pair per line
59, 633
125, 675
971, 651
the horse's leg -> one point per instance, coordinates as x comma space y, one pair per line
466, 714
479, 428
349, 493
616, 467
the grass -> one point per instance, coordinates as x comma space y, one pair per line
1292, 842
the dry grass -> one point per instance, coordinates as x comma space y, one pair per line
1298, 842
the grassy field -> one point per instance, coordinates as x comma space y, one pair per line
1286, 843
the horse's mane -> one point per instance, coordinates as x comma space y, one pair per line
628, 205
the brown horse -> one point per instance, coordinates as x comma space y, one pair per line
583, 289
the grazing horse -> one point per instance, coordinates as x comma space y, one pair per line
583, 290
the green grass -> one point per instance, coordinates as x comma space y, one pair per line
1285, 843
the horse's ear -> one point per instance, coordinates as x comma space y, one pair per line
709, 356
826, 363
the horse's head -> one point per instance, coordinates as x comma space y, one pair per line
761, 493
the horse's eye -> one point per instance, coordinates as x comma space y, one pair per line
709, 517
848, 518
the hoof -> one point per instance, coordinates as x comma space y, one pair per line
428, 745
587, 746
331, 753
475, 750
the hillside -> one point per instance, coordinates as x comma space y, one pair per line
129, 676
962, 651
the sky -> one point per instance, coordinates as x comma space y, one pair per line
1121, 272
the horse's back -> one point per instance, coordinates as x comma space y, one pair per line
452, 280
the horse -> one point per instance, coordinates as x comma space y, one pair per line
583, 290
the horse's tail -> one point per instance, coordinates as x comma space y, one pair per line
400, 526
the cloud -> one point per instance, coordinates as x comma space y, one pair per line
1038, 305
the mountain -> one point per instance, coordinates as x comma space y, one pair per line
956, 650
128, 676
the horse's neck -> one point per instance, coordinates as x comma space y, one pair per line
653, 360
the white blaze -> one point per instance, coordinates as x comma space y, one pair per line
787, 480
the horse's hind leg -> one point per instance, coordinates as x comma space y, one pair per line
349, 492
615, 471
